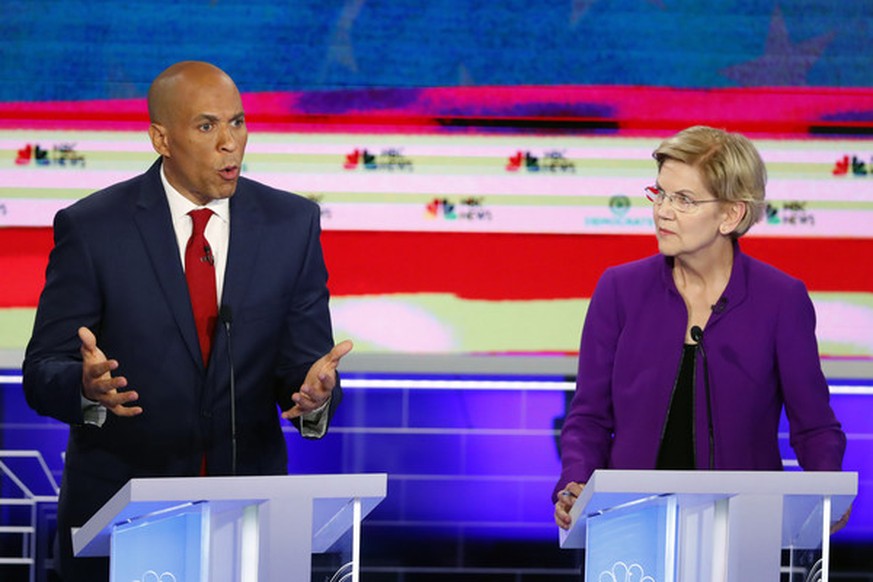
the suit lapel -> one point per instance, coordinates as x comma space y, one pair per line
152, 217
246, 222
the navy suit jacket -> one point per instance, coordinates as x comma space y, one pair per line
116, 269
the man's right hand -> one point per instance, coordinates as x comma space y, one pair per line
98, 384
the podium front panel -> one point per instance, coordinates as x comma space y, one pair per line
633, 542
168, 547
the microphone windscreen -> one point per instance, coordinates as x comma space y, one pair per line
225, 314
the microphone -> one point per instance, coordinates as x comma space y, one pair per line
207, 255
226, 316
697, 336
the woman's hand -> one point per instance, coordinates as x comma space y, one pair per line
566, 498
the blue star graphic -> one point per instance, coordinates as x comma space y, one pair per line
783, 63
579, 8
341, 51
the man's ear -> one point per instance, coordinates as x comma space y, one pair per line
733, 214
158, 135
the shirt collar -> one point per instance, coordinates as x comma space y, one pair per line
181, 206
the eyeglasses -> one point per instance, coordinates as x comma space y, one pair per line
679, 202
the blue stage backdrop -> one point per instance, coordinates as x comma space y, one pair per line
93, 49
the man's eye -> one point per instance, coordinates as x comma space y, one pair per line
205, 126
238, 122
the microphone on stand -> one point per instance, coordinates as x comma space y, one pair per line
226, 316
697, 336
207, 255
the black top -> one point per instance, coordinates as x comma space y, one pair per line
677, 445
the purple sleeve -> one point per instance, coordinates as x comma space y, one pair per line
815, 433
586, 436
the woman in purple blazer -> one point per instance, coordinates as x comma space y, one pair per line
688, 357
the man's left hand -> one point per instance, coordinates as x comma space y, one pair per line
319, 382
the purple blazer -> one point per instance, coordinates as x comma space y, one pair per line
761, 351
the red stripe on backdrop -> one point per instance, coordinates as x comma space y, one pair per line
481, 266
475, 266
23, 256
521, 266
627, 109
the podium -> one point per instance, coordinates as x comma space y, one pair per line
229, 529
731, 526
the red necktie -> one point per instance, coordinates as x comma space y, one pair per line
200, 273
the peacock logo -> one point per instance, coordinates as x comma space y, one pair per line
621, 572
152, 576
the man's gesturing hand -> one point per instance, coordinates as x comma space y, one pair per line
98, 384
319, 382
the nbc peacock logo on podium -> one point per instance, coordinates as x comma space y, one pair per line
621, 572
152, 576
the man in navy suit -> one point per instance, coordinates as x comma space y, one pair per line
115, 351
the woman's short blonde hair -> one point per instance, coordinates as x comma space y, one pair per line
731, 167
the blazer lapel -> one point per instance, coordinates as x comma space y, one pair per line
152, 217
246, 219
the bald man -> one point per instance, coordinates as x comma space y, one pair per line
135, 362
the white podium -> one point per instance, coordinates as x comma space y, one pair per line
229, 529
730, 526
